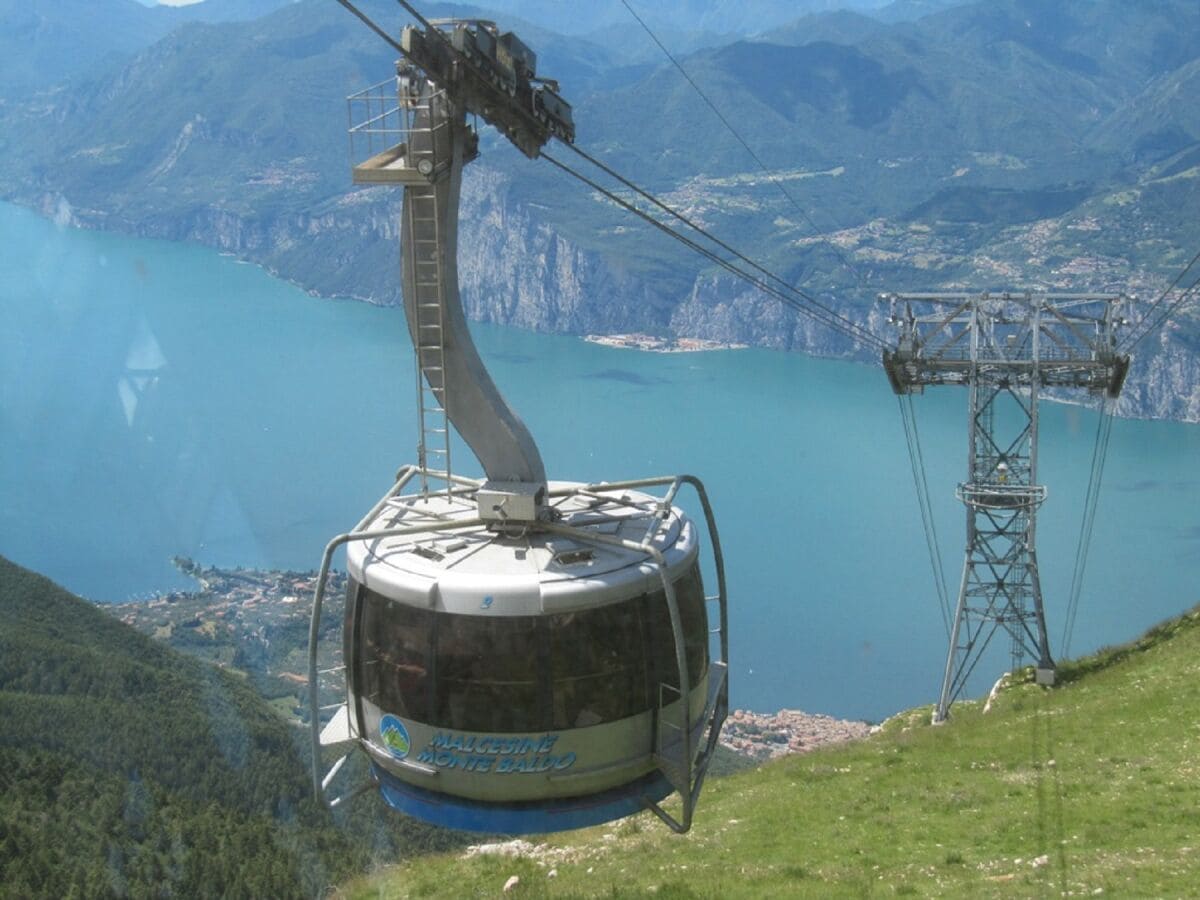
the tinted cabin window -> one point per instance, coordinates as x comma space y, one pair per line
689, 595
526, 673
394, 665
598, 665
693, 615
488, 673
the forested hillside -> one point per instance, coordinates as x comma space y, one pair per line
128, 769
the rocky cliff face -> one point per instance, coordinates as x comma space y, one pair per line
723, 309
515, 269
1164, 380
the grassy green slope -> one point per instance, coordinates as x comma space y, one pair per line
1091, 788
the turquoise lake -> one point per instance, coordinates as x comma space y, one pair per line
160, 399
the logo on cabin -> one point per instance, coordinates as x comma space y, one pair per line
395, 736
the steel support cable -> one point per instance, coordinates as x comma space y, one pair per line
1142, 330
825, 317
921, 483
724, 121
1077, 588
1069, 618
1184, 296
941, 569
850, 327
412, 11
1043, 760
1134, 336
1091, 500
392, 42
1086, 526
917, 463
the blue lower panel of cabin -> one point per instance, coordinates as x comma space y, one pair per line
527, 817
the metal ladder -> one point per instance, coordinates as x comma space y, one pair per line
421, 207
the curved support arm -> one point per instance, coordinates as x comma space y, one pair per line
429, 270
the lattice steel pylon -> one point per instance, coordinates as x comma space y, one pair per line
1005, 348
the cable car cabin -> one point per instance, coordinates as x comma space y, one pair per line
519, 656
528, 680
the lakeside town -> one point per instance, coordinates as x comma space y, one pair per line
652, 344
256, 621
253, 621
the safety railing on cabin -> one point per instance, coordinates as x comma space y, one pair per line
684, 750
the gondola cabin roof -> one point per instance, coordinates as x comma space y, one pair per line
482, 570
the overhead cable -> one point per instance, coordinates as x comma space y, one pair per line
859, 332
1150, 322
819, 313
412, 11
1090, 504
787, 293
917, 462
392, 42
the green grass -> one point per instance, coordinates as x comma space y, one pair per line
1089, 789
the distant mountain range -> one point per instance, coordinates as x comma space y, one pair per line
740, 17
928, 145
45, 41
